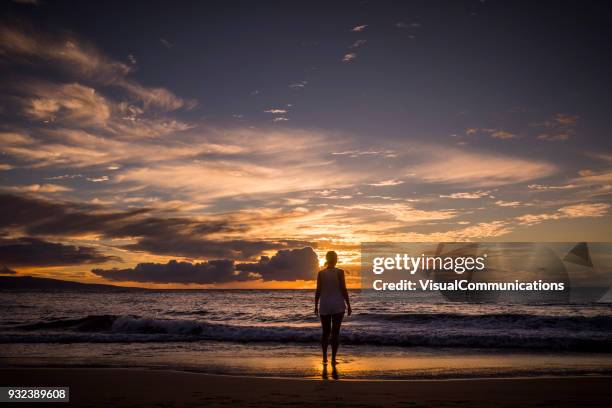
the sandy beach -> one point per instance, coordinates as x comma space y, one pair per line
137, 387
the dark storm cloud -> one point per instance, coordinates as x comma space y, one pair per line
36, 252
182, 245
287, 264
174, 236
218, 271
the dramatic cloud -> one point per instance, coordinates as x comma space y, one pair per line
218, 271
173, 236
191, 246
36, 252
285, 265
293, 264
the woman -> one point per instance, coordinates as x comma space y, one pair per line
332, 294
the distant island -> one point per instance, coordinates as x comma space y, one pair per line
26, 283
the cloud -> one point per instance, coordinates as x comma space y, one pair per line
564, 119
358, 43
384, 183
271, 161
69, 54
553, 138
480, 230
541, 187
27, 251
5, 270
370, 152
40, 188
359, 28
79, 148
5, 166
285, 265
100, 179
470, 195
166, 43
503, 203
502, 134
173, 236
298, 85
479, 169
215, 271
349, 57
276, 111
585, 210
402, 212
560, 128
192, 246
67, 103
280, 119
494, 133
403, 24
157, 97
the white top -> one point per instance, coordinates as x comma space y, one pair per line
331, 300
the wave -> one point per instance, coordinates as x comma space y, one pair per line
129, 328
598, 322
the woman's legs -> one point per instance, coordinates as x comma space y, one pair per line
326, 325
336, 322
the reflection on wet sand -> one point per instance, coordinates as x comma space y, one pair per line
334, 373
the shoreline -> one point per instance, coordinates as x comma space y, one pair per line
133, 387
304, 361
315, 379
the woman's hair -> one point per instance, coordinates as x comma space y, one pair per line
331, 259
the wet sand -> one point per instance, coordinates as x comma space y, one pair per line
90, 387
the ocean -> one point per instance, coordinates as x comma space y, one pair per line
275, 332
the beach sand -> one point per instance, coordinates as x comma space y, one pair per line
112, 387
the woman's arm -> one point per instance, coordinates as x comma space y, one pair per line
345, 293
318, 293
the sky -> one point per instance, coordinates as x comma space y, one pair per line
231, 144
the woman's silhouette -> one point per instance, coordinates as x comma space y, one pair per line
330, 300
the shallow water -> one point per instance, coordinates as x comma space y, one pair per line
258, 332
